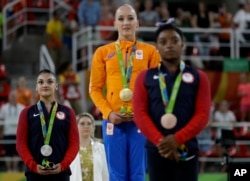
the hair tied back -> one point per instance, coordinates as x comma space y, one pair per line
169, 21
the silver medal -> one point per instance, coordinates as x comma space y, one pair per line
46, 150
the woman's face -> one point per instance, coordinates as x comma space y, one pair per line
170, 45
46, 85
126, 22
224, 107
85, 127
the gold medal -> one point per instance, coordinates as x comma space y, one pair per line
168, 121
126, 94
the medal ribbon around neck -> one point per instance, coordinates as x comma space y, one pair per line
169, 103
47, 132
126, 73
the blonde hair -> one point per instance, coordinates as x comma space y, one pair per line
92, 119
85, 114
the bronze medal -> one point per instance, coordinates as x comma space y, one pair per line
168, 121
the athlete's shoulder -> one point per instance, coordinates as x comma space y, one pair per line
64, 106
197, 73
146, 45
106, 46
98, 142
103, 51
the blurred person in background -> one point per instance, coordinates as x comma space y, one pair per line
110, 4
224, 115
147, 18
90, 163
184, 20
203, 19
107, 19
225, 20
243, 92
9, 114
241, 22
71, 27
163, 10
137, 6
89, 14
54, 32
24, 94
69, 82
227, 119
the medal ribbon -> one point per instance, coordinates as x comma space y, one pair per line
169, 103
125, 73
47, 132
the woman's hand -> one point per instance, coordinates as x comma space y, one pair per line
115, 118
168, 148
54, 170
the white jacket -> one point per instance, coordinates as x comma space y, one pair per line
99, 164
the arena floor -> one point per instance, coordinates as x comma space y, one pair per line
202, 177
